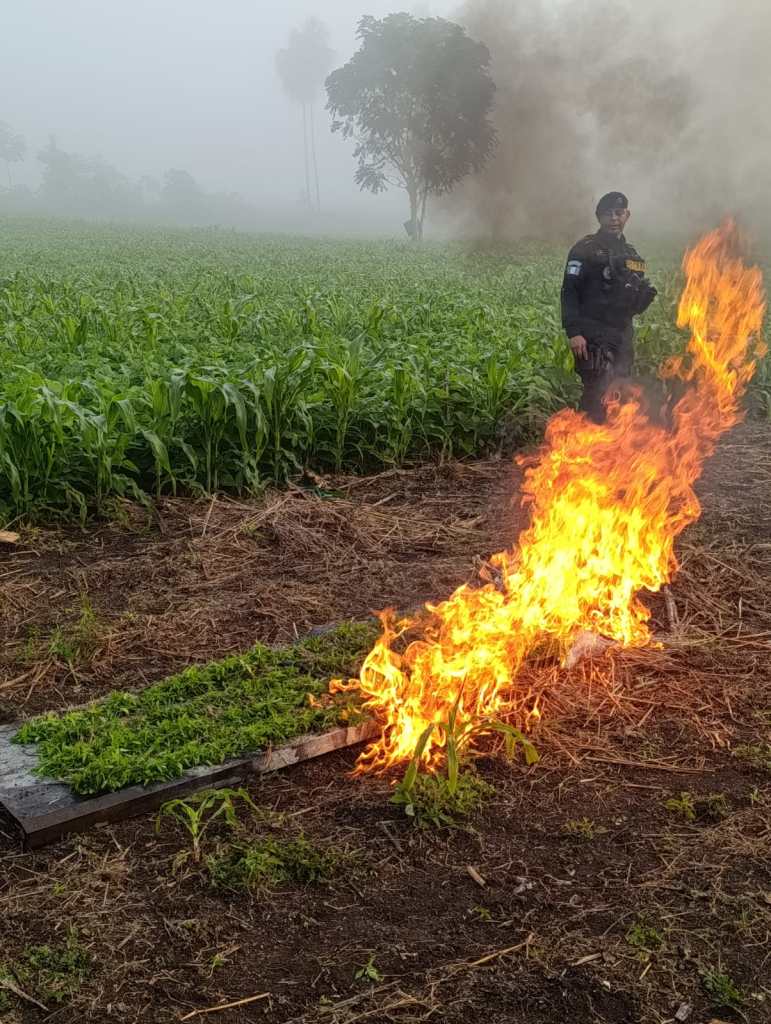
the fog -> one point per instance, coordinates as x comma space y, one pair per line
664, 101
149, 85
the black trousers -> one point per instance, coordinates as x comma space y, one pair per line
611, 357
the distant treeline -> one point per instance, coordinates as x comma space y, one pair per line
73, 185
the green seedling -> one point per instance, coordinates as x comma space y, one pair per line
710, 808
368, 972
721, 989
583, 828
77, 643
683, 806
713, 807
199, 812
646, 939
431, 801
482, 913
757, 755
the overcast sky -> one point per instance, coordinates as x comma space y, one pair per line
154, 84
150, 85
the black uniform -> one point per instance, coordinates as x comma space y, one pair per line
603, 288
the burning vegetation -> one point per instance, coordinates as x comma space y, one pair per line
607, 503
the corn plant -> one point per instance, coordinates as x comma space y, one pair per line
137, 362
199, 812
437, 799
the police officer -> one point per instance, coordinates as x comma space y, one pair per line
603, 288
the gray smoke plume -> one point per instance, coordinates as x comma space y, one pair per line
666, 104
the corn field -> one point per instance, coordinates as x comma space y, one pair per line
143, 363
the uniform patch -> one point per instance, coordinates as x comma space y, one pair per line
573, 267
636, 265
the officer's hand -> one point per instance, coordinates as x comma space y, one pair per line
579, 347
645, 295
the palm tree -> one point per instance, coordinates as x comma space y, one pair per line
302, 67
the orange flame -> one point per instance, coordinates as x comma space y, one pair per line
607, 502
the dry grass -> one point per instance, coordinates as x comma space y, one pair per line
209, 578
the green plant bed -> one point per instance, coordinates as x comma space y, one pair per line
202, 716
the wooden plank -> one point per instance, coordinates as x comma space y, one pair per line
44, 809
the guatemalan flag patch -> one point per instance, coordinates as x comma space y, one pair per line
574, 267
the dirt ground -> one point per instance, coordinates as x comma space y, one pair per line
574, 895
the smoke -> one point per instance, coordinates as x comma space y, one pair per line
666, 104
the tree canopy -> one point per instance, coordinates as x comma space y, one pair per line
416, 98
303, 64
302, 67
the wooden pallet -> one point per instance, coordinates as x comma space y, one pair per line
44, 809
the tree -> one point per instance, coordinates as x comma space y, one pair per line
182, 196
302, 67
180, 187
416, 98
80, 186
12, 148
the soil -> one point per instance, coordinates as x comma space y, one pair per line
588, 899
198, 580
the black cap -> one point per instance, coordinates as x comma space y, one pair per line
612, 201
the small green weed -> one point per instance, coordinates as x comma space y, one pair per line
482, 913
219, 960
645, 939
711, 808
198, 812
682, 805
61, 646
76, 644
721, 989
744, 919
431, 801
368, 971
756, 755
583, 828
51, 973
31, 649
269, 862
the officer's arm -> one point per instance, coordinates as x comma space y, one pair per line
570, 296
645, 293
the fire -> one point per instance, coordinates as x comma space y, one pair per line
607, 503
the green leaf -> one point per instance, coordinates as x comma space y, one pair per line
159, 450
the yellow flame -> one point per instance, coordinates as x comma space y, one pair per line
607, 503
